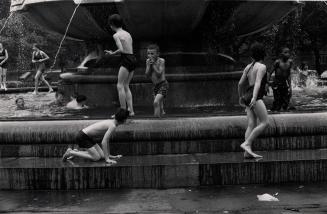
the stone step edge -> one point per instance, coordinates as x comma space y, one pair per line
223, 127
168, 160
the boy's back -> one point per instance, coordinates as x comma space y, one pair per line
99, 128
126, 41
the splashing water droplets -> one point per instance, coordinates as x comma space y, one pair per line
6, 22
63, 38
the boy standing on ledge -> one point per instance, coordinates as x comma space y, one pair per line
155, 68
124, 43
92, 150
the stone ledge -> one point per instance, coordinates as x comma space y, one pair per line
80, 78
170, 129
164, 171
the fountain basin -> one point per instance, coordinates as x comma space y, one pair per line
148, 20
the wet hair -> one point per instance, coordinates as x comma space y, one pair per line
35, 45
19, 98
153, 47
81, 98
257, 51
121, 115
115, 20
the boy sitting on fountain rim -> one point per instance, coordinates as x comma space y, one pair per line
155, 68
93, 151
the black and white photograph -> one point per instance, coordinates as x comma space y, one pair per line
163, 106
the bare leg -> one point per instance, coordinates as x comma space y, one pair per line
162, 107
252, 123
1, 77
129, 97
122, 78
90, 154
47, 83
4, 78
157, 105
36, 78
261, 112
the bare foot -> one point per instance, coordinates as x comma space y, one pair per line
111, 162
115, 157
67, 154
34, 92
247, 155
132, 114
50, 91
248, 149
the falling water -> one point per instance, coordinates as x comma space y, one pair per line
4, 25
63, 38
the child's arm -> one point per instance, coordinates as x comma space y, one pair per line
118, 44
46, 57
33, 55
242, 81
148, 68
289, 79
272, 71
159, 69
105, 143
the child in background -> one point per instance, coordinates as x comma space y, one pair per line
282, 86
155, 69
124, 43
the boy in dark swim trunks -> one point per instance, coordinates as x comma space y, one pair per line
124, 44
93, 151
155, 68
282, 86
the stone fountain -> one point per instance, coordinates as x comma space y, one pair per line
170, 153
197, 76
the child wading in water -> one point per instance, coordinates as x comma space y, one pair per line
3, 67
282, 85
124, 44
39, 58
251, 89
155, 68
93, 151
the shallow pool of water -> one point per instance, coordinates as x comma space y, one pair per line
310, 99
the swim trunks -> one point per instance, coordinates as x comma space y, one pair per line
128, 61
84, 141
161, 88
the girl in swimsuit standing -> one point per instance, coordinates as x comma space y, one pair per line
38, 58
254, 77
3, 67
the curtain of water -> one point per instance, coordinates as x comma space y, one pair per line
4, 25
63, 38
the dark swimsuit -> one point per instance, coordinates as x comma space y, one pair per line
128, 61
84, 141
40, 65
3, 54
261, 92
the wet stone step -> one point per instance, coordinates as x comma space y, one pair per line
165, 171
173, 147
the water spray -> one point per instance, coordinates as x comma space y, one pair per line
63, 38
4, 25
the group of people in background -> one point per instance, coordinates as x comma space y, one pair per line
252, 87
38, 59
